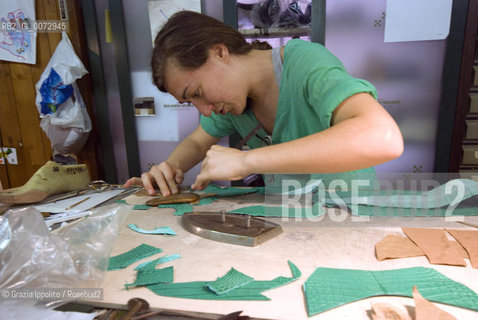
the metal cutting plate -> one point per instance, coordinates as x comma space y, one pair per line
230, 227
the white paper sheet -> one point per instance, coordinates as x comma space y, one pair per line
417, 20
76, 204
65, 216
75, 207
161, 10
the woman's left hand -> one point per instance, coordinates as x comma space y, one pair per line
221, 163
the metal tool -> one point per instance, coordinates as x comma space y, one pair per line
189, 315
136, 305
182, 197
78, 203
230, 228
94, 186
186, 197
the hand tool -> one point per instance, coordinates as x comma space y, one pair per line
79, 202
231, 228
185, 197
135, 305
95, 186
189, 315
182, 197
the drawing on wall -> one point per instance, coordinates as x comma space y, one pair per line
160, 11
17, 41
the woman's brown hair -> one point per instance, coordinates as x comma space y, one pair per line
187, 38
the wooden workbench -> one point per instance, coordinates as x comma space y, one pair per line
308, 244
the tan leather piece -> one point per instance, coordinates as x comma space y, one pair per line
469, 240
387, 311
395, 246
460, 249
186, 197
425, 310
436, 246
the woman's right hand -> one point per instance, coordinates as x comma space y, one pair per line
163, 175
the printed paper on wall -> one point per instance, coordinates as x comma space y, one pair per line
417, 20
17, 44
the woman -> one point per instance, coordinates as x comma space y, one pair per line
320, 119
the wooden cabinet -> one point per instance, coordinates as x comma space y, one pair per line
464, 151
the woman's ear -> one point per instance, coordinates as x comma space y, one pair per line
219, 51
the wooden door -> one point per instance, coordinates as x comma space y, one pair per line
19, 119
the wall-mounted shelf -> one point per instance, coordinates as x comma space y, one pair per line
316, 31
275, 32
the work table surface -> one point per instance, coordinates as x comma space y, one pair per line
309, 244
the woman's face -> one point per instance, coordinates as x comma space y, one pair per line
214, 87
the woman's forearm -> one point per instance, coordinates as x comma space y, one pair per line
362, 135
348, 146
191, 150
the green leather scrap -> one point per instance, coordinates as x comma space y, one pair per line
199, 290
268, 211
328, 288
181, 208
233, 279
141, 207
121, 201
125, 259
207, 200
149, 265
230, 191
161, 230
149, 276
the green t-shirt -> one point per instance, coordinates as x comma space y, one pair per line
314, 82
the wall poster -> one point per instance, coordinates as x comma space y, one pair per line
17, 35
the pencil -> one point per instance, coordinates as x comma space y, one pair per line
79, 202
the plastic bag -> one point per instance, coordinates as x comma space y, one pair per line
63, 69
65, 119
76, 256
68, 129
